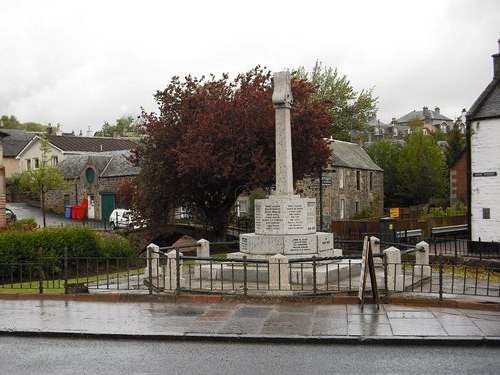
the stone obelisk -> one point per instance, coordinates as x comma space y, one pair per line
285, 223
282, 101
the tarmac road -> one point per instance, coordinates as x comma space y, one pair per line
23, 211
20, 355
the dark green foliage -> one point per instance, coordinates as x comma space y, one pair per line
386, 155
114, 246
23, 246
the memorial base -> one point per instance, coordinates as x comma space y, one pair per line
293, 244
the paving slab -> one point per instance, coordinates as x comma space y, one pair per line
242, 321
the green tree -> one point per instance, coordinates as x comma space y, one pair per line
10, 122
456, 143
44, 178
421, 169
125, 126
385, 154
349, 110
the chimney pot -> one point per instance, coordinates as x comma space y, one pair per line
496, 63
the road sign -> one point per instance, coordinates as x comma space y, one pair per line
394, 212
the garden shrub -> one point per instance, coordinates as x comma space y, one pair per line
114, 246
23, 246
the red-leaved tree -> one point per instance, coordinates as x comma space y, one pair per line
213, 136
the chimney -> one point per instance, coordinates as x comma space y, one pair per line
496, 63
49, 130
437, 110
426, 112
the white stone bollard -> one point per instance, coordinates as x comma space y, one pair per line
279, 271
203, 250
171, 271
375, 243
394, 274
152, 256
422, 268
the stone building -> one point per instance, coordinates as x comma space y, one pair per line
95, 177
483, 143
351, 183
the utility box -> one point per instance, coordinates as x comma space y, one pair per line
387, 229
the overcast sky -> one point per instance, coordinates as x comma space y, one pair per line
83, 63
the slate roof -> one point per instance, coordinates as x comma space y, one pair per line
351, 155
90, 144
488, 103
114, 164
15, 141
433, 115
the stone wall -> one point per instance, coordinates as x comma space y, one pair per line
79, 189
336, 192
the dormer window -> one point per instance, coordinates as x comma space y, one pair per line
90, 175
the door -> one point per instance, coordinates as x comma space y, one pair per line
91, 206
107, 205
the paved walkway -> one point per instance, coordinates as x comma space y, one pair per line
248, 322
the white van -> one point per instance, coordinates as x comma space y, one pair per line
121, 218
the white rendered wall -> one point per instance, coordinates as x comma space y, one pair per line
485, 191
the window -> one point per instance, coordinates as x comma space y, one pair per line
66, 199
486, 213
28, 164
37, 163
90, 175
371, 181
358, 180
342, 208
341, 178
54, 161
242, 206
357, 207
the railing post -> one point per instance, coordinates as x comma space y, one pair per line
65, 270
440, 276
40, 270
456, 245
386, 286
178, 271
245, 286
150, 271
314, 275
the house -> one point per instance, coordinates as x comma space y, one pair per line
432, 121
15, 142
97, 177
63, 146
483, 143
458, 179
351, 183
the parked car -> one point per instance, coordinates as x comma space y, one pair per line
121, 218
10, 216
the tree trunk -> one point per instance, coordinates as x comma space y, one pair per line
42, 203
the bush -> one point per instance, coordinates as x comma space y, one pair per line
23, 225
22, 246
114, 246
457, 210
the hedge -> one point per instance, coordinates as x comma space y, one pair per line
23, 246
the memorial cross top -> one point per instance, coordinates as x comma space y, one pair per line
282, 101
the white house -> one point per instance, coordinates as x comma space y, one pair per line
483, 145
63, 146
